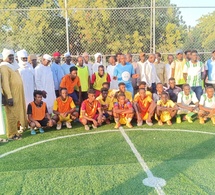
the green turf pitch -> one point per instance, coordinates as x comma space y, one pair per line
104, 163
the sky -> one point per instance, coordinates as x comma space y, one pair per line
191, 15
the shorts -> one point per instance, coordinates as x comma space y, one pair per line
43, 122
95, 117
185, 111
164, 117
65, 119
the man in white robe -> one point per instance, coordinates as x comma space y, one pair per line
110, 70
26, 72
45, 82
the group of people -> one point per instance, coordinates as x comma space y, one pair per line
54, 94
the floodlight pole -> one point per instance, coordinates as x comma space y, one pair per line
151, 26
154, 22
67, 27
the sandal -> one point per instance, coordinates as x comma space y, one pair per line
15, 137
3, 140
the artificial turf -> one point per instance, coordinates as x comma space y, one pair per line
104, 163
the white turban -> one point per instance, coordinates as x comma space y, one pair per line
47, 57
6, 53
67, 54
96, 56
22, 54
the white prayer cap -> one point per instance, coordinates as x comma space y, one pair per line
47, 57
22, 54
67, 54
6, 53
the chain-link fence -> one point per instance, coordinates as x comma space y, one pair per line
44, 26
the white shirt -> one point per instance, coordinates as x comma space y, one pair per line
113, 83
148, 73
187, 99
168, 72
44, 81
27, 75
206, 102
194, 72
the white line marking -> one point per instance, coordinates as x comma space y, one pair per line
53, 139
151, 181
96, 132
173, 130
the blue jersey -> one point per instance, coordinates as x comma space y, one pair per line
210, 66
124, 73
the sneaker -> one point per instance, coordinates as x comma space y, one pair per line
149, 123
68, 125
139, 123
117, 126
169, 123
59, 125
201, 120
189, 120
94, 127
33, 132
41, 130
129, 125
87, 128
178, 119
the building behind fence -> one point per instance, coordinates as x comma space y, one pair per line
108, 26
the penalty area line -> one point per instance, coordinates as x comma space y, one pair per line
151, 181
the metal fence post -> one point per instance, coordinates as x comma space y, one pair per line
154, 23
67, 27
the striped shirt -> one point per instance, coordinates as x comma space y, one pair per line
194, 73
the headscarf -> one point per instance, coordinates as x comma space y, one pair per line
5, 53
96, 56
22, 54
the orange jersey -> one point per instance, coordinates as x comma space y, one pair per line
90, 108
143, 103
63, 106
70, 84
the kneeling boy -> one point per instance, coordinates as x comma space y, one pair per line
106, 105
144, 107
188, 104
64, 109
207, 105
38, 115
91, 111
122, 111
166, 109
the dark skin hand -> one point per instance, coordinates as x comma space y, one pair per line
10, 102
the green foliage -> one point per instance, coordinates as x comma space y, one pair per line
40, 28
